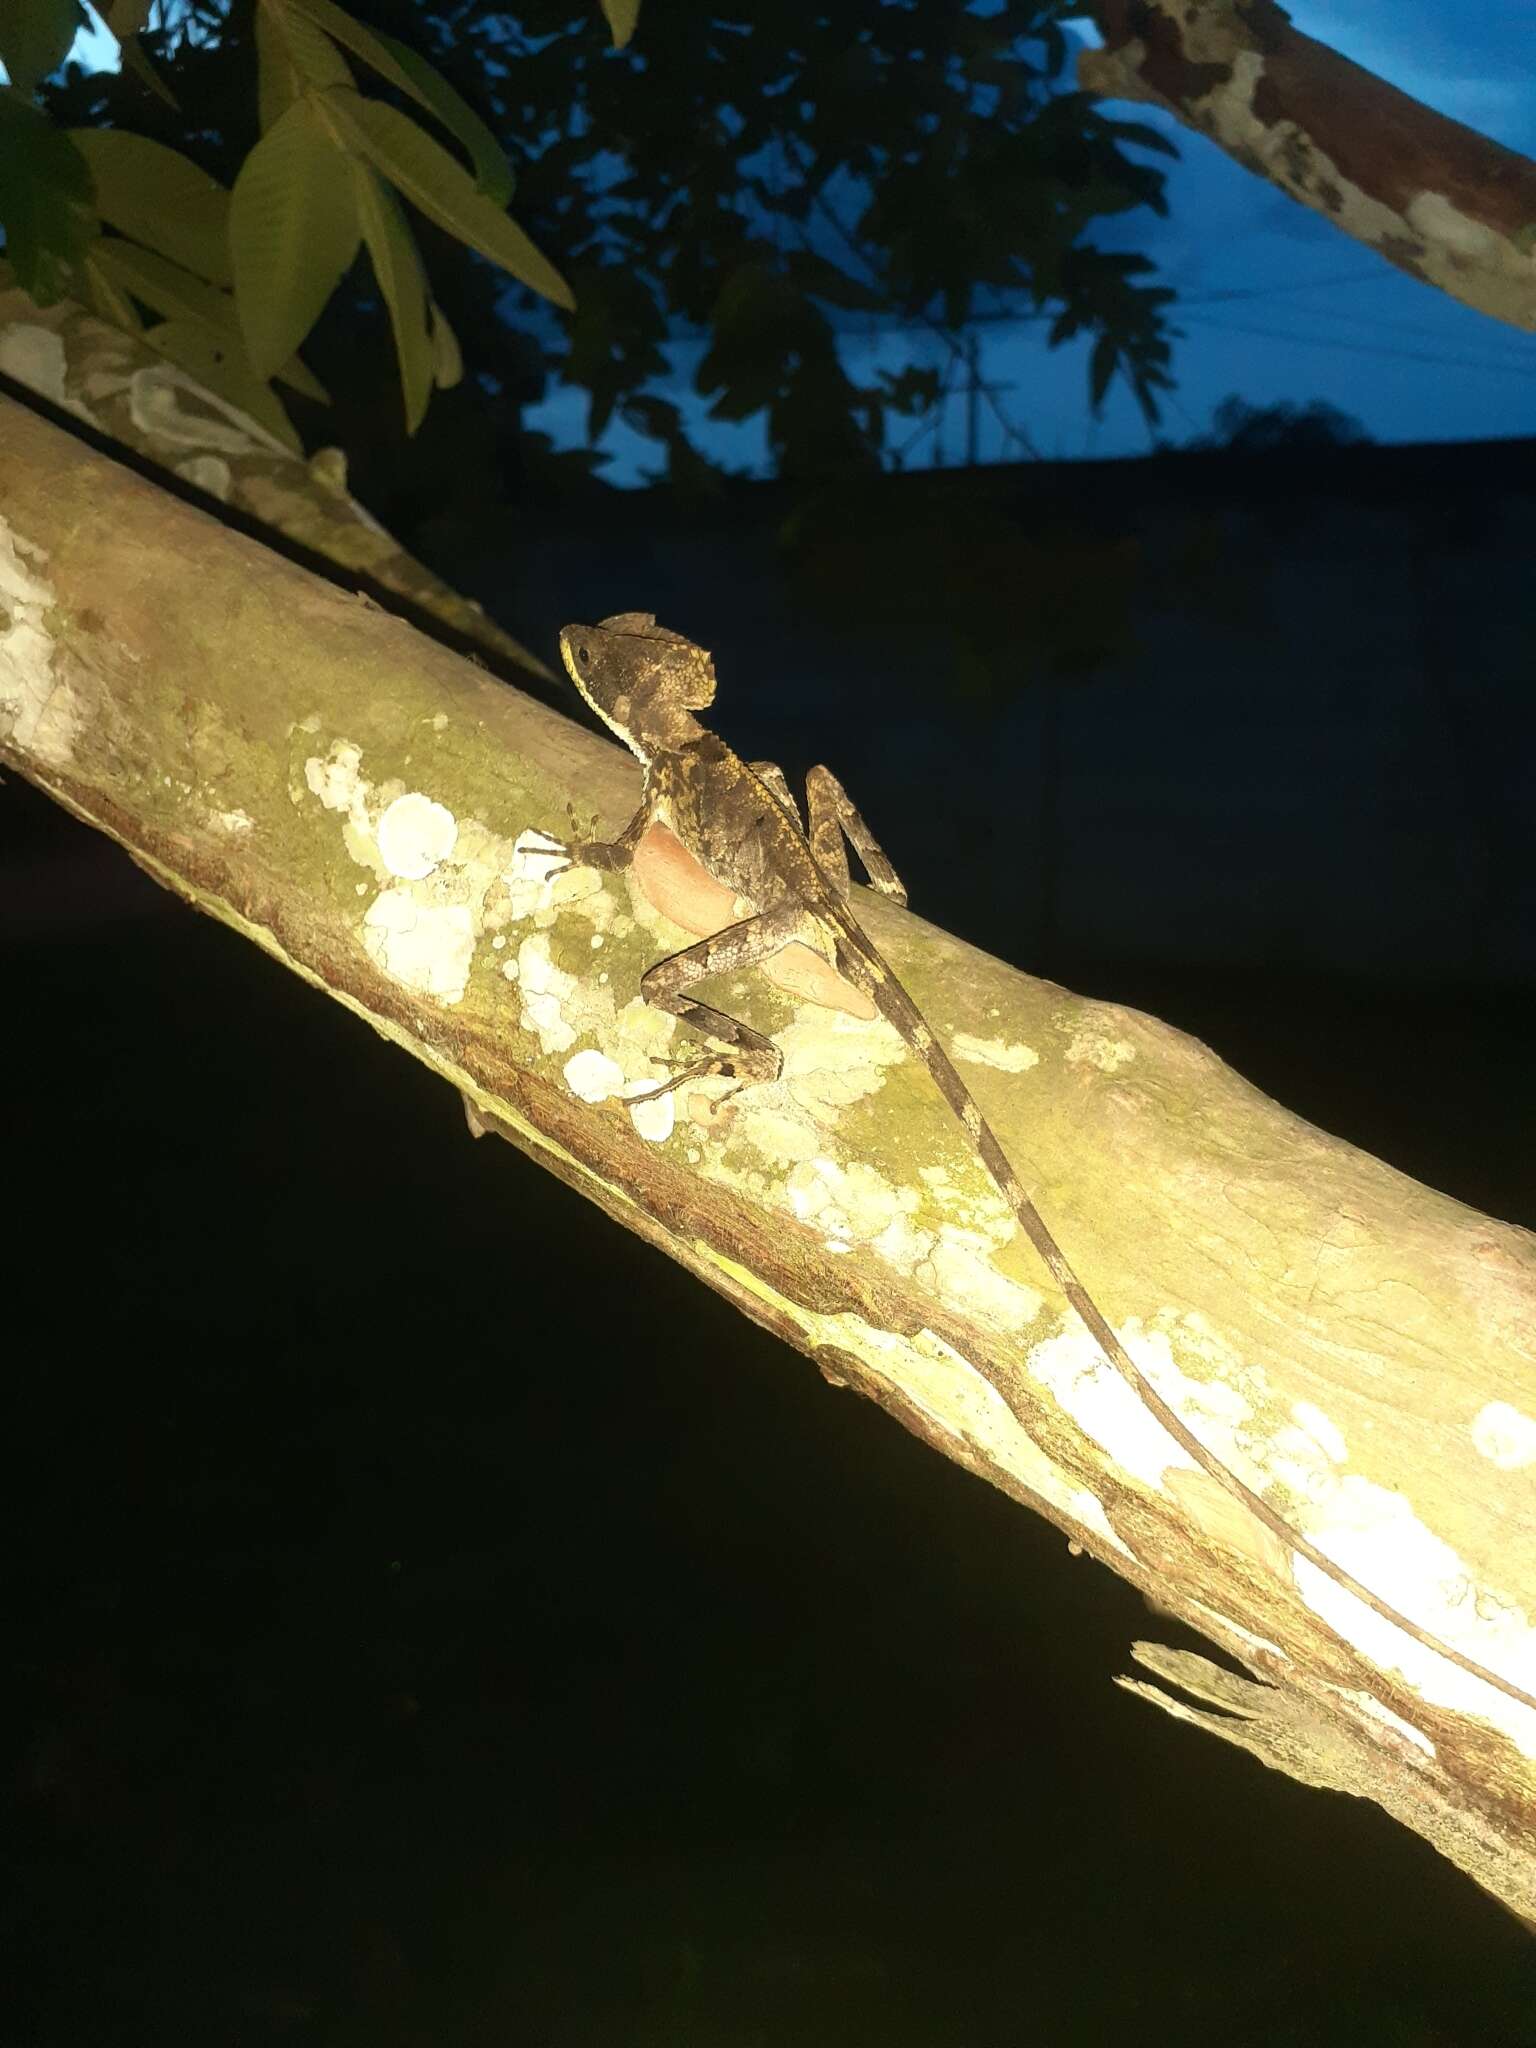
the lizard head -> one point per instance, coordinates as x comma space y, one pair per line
642, 681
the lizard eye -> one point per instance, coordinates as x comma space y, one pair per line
584, 656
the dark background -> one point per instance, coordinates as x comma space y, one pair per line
434, 1618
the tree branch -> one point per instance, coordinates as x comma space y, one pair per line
1361, 1350
1435, 198
119, 385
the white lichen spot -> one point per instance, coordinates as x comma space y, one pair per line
1441, 222
1505, 1436
647, 1034
415, 835
775, 1133
836, 1244
1374, 1534
439, 721
336, 779
851, 1202
832, 1060
1087, 1510
234, 822
1366, 1703
39, 712
993, 1052
958, 1270
596, 940
210, 473
176, 411
592, 1076
360, 888
426, 947
1098, 1049
656, 1118
546, 989
34, 356
1322, 1429
1108, 1408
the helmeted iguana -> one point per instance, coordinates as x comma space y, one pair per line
739, 822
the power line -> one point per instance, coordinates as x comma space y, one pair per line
1517, 345
1358, 348
1269, 291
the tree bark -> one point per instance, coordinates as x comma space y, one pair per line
1362, 1351
1437, 199
117, 384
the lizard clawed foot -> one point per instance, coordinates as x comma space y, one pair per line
556, 855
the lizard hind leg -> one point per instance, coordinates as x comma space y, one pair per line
744, 1054
773, 775
832, 816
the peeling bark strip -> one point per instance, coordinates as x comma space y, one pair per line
1437, 199
119, 385
1361, 1350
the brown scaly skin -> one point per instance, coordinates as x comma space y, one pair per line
740, 823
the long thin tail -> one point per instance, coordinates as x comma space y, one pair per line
867, 969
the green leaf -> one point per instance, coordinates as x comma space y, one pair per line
493, 173
397, 266
124, 17
413, 76
225, 373
291, 56
293, 230
298, 376
316, 62
427, 175
45, 200
160, 198
447, 357
167, 289
134, 60
823, 280
1101, 367
106, 301
35, 36
622, 16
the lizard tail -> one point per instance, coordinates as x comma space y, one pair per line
860, 963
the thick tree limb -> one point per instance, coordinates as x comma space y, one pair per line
1361, 1350
1435, 198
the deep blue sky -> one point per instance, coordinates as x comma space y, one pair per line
1275, 304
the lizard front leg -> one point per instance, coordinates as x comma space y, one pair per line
833, 815
748, 1055
611, 855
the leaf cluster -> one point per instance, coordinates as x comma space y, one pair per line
228, 283
775, 195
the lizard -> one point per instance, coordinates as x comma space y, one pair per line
739, 822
